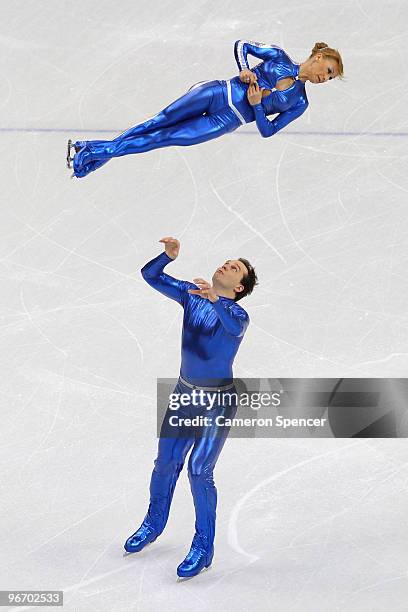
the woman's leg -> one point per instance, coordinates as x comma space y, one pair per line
200, 98
187, 133
193, 103
196, 101
90, 167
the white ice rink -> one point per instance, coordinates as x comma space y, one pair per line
320, 210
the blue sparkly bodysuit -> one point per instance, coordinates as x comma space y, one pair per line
212, 333
209, 110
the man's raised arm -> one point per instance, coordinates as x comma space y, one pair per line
153, 273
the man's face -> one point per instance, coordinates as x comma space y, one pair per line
230, 275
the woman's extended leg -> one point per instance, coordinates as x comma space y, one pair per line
204, 97
194, 131
196, 101
193, 103
190, 132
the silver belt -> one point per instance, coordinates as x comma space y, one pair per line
229, 96
231, 105
230, 386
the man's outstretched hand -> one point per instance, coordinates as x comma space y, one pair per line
171, 245
205, 290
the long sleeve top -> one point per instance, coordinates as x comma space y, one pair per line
212, 332
275, 65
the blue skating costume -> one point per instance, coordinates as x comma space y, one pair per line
212, 333
208, 110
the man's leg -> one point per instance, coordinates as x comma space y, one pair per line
201, 464
170, 459
167, 468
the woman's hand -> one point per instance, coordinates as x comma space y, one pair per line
254, 94
247, 76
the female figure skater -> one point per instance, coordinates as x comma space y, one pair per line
210, 109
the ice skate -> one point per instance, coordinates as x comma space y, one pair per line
77, 147
142, 537
195, 562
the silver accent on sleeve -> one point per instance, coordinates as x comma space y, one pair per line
240, 50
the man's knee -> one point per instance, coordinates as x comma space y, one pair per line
167, 467
200, 474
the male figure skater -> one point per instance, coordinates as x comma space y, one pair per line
213, 328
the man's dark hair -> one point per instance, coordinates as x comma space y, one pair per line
249, 280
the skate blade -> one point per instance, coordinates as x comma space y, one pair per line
69, 159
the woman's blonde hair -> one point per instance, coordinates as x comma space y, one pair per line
326, 51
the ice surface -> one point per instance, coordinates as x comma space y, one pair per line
320, 210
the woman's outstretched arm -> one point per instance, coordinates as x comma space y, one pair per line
242, 48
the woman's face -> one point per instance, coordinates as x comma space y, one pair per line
323, 69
